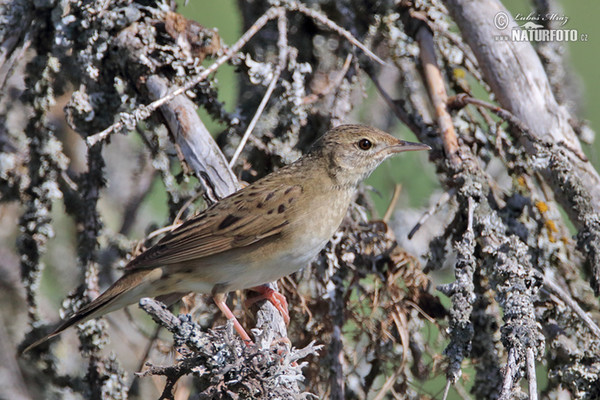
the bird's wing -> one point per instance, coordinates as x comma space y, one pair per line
244, 218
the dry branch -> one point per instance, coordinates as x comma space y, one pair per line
199, 149
518, 80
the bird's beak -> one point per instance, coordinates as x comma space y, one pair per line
403, 145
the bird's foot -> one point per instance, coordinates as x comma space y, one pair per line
276, 298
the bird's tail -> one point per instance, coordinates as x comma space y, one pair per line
127, 290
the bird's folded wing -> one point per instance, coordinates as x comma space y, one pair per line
241, 219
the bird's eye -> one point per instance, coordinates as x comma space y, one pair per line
364, 144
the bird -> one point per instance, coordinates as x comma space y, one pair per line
263, 232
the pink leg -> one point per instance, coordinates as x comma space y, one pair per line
276, 298
219, 299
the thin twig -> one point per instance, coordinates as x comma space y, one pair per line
554, 288
282, 45
462, 99
444, 198
420, 311
257, 114
271, 13
446, 389
437, 93
296, 6
531, 376
392, 205
185, 206
462, 392
470, 215
162, 230
402, 326
509, 375
398, 111
388, 385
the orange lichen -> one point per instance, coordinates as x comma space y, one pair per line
552, 229
541, 206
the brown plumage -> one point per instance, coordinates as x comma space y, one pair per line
259, 234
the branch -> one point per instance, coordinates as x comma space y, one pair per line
531, 375
520, 84
220, 356
199, 148
437, 92
130, 120
554, 288
283, 52
509, 374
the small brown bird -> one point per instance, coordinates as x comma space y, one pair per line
259, 234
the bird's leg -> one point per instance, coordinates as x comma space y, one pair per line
219, 299
276, 298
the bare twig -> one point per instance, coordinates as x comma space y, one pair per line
283, 51
444, 198
162, 230
531, 375
388, 385
462, 392
400, 113
257, 115
554, 288
437, 93
392, 205
446, 389
509, 374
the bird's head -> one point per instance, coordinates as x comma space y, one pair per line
354, 151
